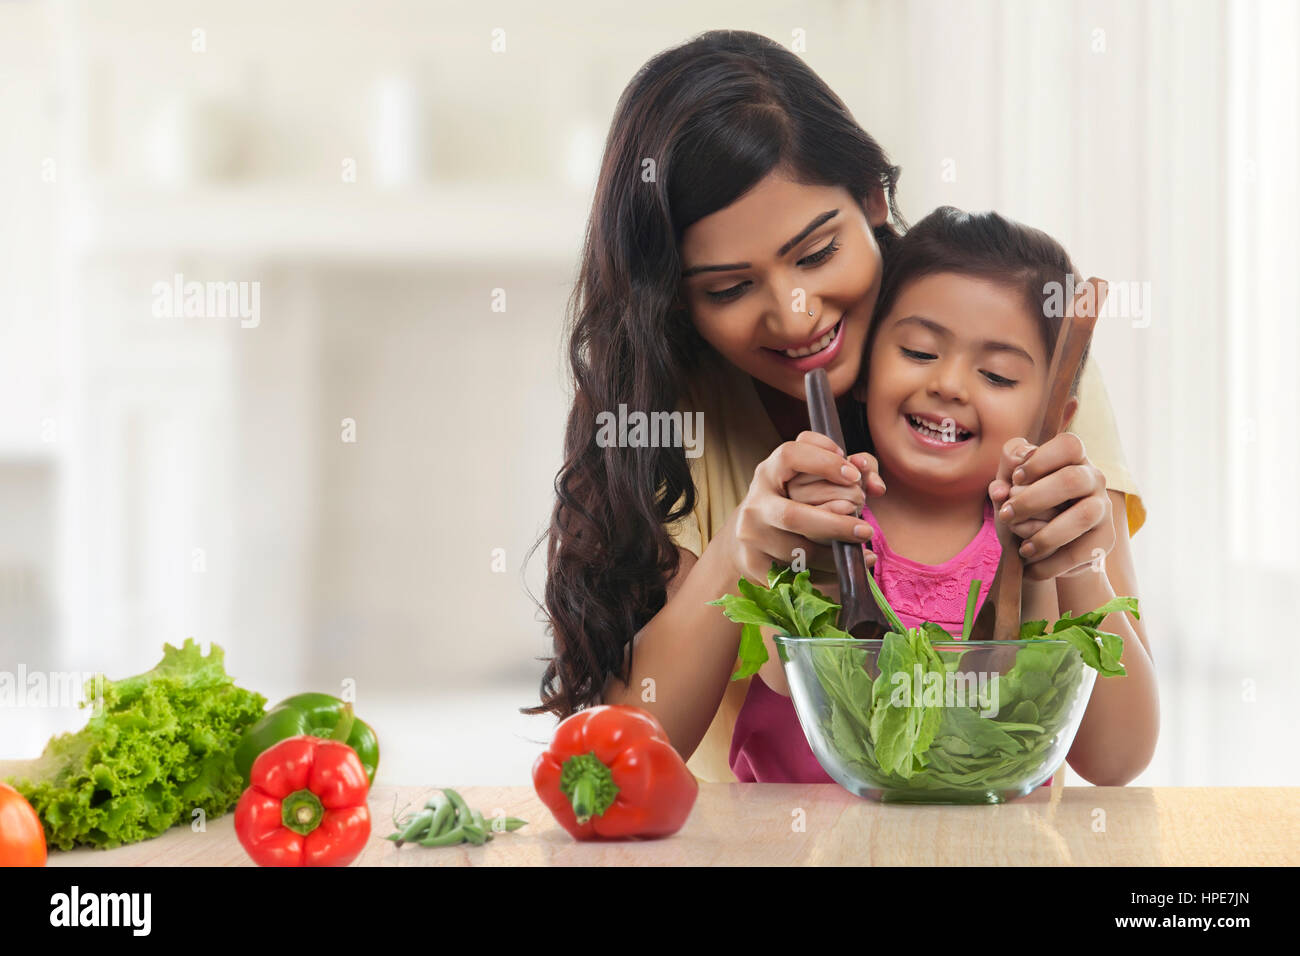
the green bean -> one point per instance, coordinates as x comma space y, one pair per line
437, 802
463, 812
415, 829
450, 838
444, 818
448, 820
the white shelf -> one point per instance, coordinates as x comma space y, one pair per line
21, 453
445, 224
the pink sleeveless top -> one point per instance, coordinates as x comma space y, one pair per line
768, 744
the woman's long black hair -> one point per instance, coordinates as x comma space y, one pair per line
697, 127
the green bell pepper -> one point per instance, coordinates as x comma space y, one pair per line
317, 715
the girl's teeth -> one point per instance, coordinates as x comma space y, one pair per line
816, 347
934, 432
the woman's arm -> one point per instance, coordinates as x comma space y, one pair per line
1038, 601
1118, 735
684, 656
1080, 527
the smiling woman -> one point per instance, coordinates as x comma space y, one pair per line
785, 310
755, 254
736, 124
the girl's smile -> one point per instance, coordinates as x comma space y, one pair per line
938, 432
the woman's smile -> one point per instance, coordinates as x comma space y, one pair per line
821, 351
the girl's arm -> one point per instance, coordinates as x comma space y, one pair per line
1118, 735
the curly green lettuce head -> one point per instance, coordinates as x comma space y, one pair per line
159, 747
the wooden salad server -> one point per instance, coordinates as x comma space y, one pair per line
999, 616
859, 614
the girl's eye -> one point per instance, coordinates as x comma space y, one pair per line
994, 379
814, 259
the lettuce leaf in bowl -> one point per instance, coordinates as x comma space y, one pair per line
916, 743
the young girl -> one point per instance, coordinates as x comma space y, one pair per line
955, 366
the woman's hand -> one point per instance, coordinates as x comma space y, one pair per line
836, 497
1059, 503
771, 523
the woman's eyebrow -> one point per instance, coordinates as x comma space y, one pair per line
988, 345
803, 233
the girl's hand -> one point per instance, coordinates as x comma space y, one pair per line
1059, 504
769, 525
816, 490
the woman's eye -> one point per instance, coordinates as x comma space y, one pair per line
726, 294
815, 259
999, 380
822, 254
913, 353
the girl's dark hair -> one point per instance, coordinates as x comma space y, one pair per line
987, 246
697, 127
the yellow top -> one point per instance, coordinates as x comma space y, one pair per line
738, 435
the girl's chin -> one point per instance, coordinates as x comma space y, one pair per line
956, 473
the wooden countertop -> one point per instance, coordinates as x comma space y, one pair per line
754, 824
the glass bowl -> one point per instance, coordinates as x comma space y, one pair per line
1008, 712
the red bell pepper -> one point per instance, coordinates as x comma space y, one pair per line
611, 773
305, 805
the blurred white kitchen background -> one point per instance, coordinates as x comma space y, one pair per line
343, 484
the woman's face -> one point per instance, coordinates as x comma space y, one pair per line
966, 355
753, 271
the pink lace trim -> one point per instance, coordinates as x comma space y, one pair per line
936, 592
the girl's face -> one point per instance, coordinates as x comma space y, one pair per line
966, 355
753, 271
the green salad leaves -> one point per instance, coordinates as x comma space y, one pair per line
160, 747
914, 739
789, 603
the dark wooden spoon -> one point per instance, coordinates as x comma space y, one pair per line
859, 614
999, 616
